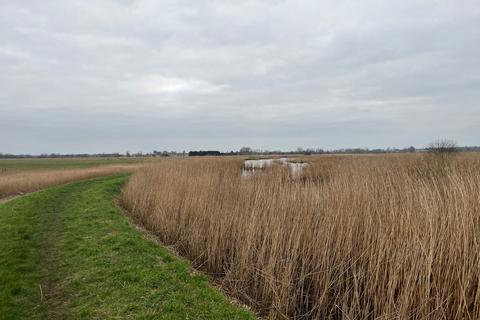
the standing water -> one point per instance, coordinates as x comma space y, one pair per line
251, 165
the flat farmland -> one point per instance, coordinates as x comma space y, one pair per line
34, 164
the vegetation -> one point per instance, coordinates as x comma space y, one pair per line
69, 253
442, 147
20, 182
30, 164
352, 237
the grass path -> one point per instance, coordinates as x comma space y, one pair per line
69, 253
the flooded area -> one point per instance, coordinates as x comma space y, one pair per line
258, 164
250, 166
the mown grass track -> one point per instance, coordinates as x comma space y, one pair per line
69, 253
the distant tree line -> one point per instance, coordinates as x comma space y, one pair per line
438, 147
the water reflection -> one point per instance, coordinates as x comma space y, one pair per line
259, 164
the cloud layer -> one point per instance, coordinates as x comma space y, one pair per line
92, 76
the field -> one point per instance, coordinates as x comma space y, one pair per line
19, 176
352, 237
35, 164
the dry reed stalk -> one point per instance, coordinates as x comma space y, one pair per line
354, 237
17, 183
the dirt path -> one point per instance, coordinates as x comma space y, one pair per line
6, 199
51, 291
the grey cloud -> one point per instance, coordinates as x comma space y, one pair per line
125, 74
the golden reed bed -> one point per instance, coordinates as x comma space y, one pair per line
17, 183
354, 237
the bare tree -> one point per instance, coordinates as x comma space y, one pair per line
442, 147
246, 150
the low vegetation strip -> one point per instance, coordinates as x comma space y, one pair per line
35, 164
24, 181
69, 253
351, 237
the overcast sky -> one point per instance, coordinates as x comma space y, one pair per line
118, 75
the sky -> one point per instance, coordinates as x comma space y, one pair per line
125, 75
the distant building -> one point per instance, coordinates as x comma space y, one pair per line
204, 153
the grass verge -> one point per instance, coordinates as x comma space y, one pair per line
68, 252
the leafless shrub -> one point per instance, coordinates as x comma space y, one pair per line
442, 147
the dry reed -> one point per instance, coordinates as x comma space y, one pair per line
354, 237
17, 183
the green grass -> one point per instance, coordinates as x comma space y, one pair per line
8, 165
69, 253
